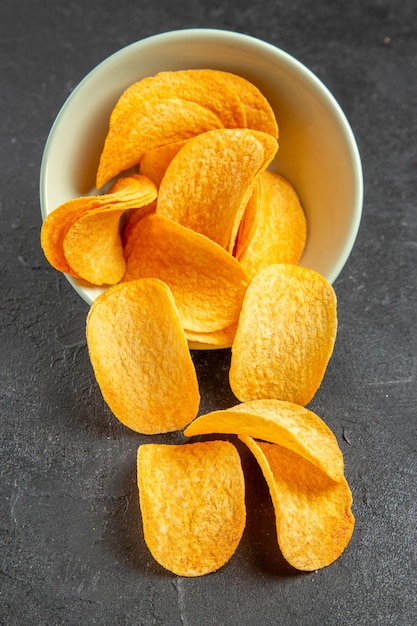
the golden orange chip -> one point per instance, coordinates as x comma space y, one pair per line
273, 229
132, 191
140, 357
285, 337
192, 500
156, 123
270, 147
154, 163
313, 513
55, 227
208, 284
216, 339
284, 423
200, 86
259, 113
209, 178
248, 219
93, 246
133, 216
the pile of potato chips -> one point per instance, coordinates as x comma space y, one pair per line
198, 244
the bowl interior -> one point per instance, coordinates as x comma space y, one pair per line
317, 150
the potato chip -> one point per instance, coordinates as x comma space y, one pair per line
154, 163
156, 123
210, 178
132, 191
55, 227
313, 513
270, 146
132, 217
140, 357
259, 113
215, 339
200, 86
208, 284
248, 219
284, 423
93, 246
285, 337
273, 229
192, 500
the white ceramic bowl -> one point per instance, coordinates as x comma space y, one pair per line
317, 149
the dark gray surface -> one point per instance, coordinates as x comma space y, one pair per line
71, 546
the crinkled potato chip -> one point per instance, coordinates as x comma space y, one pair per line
93, 246
132, 191
55, 227
209, 178
313, 514
156, 123
133, 216
284, 423
154, 163
141, 359
249, 216
200, 86
215, 339
285, 337
208, 284
270, 146
273, 229
259, 113
192, 500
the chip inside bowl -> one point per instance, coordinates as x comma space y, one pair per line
82, 236
273, 229
209, 181
208, 284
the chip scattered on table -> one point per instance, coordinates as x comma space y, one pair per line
192, 500
284, 423
313, 514
285, 336
140, 357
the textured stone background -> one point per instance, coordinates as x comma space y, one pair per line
71, 546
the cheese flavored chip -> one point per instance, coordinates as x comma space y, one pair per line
210, 178
313, 514
285, 336
273, 229
192, 500
156, 123
208, 284
283, 423
141, 359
